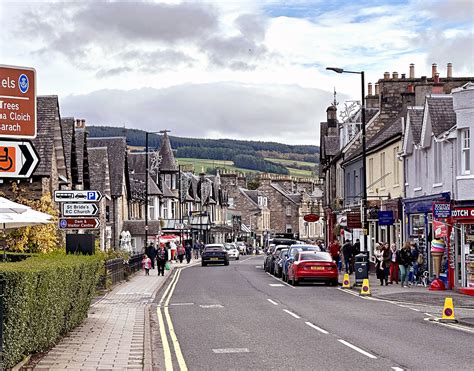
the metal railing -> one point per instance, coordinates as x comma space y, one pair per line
116, 270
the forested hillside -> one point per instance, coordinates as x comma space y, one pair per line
251, 155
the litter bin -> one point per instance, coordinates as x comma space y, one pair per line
361, 267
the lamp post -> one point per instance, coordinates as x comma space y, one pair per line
364, 149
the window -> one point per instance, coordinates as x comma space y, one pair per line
231, 201
354, 193
288, 210
417, 166
361, 181
371, 172
151, 208
165, 209
382, 169
348, 185
396, 169
289, 228
438, 162
465, 152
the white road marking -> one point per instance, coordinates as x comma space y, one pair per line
291, 313
427, 314
275, 284
241, 261
182, 304
317, 328
357, 349
258, 266
416, 310
231, 350
283, 282
397, 369
211, 306
273, 302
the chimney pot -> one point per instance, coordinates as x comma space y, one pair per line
376, 89
370, 88
395, 75
424, 79
403, 75
434, 68
412, 71
386, 75
450, 71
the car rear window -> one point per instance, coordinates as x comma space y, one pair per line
213, 248
319, 256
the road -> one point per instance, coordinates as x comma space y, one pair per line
240, 318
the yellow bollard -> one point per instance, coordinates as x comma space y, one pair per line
448, 311
365, 290
346, 283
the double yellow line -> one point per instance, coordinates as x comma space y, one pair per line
164, 302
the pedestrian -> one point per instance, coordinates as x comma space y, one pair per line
347, 253
335, 251
393, 264
161, 259
196, 250
404, 263
356, 248
415, 253
188, 248
150, 251
181, 251
173, 249
380, 263
146, 263
386, 259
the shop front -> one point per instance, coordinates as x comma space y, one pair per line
463, 221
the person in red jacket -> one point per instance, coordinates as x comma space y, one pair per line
335, 251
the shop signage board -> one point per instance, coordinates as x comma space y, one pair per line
386, 217
311, 218
441, 210
79, 223
17, 102
80, 209
17, 159
440, 229
77, 196
463, 214
353, 220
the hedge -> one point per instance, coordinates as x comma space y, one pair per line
45, 297
15, 256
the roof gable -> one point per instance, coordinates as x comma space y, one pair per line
99, 170
168, 162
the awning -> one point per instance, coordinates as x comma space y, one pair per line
244, 228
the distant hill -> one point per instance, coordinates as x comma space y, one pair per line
253, 155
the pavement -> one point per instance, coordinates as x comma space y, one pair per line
113, 337
237, 317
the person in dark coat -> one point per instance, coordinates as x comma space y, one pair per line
161, 259
347, 252
188, 251
150, 251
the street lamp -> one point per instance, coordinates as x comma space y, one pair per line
364, 149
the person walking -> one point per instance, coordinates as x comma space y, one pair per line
393, 264
415, 253
380, 264
187, 250
181, 251
347, 253
161, 259
404, 263
196, 250
386, 260
335, 251
146, 263
150, 251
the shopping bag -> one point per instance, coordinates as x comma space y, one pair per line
167, 266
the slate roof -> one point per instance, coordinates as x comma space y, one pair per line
136, 163
117, 157
295, 198
416, 122
99, 170
331, 145
167, 191
137, 227
441, 113
168, 162
69, 143
137, 186
47, 108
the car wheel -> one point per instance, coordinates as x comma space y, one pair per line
335, 282
237, 258
295, 282
203, 264
226, 263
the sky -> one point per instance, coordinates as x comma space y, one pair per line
249, 69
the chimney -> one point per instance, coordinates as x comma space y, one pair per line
80, 124
386, 75
412, 71
332, 116
410, 88
436, 78
434, 68
404, 76
370, 88
395, 75
450, 71
376, 89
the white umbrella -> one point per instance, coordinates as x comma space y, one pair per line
7, 206
14, 215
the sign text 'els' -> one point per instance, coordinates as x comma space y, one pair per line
17, 102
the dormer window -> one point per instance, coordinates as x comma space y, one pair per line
465, 152
288, 210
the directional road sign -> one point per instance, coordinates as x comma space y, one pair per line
17, 102
77, 196
83, 209
79, 223
17, 159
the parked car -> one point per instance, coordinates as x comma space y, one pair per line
292, 251
270, 259
312, 266
277, 270
214, 254
242, 247
232, 250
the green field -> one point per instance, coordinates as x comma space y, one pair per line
289, 163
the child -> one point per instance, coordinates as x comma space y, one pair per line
146, 262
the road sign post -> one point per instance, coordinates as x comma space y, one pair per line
18, 159
17, 102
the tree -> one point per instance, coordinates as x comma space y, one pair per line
42, 238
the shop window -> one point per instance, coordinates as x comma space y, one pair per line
465, 152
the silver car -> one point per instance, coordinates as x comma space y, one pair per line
232, 250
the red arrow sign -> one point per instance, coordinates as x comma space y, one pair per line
79, 223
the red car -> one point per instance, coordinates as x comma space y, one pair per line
313, 266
